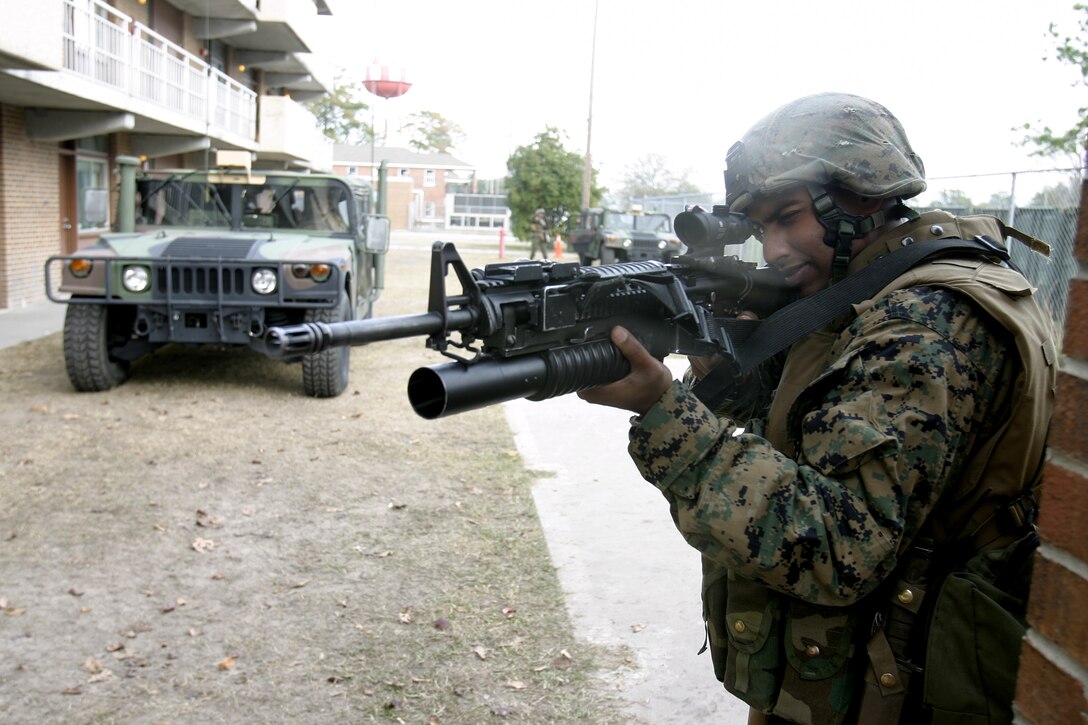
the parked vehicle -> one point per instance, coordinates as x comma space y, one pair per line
608, 236
216, 257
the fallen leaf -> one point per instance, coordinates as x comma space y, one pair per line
397, 506
563, 661
406, 615
299, 585
516, 685
500, 710
227, 664
71, 691
75, 592
92, 665
509, 611
480, 652
203, 545
101, 676
114, 646
636, 628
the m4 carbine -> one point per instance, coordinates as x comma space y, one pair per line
538, 329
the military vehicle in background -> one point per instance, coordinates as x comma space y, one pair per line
607, 236
216, 257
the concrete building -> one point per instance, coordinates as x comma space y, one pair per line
420, 184
168, 81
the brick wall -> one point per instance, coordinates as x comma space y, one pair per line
29, 210
1053, 681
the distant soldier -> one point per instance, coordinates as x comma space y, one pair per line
538, 235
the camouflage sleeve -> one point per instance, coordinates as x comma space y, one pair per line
914, 383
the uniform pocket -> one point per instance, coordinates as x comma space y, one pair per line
744, 624
820, 679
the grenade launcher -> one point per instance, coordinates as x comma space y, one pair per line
538, 329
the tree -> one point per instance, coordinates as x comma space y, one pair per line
340, 114
1061, 196
433, 133
544, 175
954, 199
650, 176
1074, 50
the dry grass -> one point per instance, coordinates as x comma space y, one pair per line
206, 544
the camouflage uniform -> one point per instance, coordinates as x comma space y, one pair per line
914, 418
538, 235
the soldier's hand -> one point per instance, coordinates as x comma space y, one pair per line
644, 385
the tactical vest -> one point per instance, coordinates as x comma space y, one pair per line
806, 663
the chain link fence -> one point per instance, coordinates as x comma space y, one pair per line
1040, 203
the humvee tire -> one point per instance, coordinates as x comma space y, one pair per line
87, 351
325, 374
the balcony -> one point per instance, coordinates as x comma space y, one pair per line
289, 135
135, 79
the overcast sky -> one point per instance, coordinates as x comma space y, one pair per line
685, 78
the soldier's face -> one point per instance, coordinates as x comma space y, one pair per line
793, 239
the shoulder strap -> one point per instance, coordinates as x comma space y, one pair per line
758, 340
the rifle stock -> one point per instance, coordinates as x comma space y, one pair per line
538, 329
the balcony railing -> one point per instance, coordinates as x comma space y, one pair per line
109, 47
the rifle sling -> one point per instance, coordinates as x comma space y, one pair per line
758, 340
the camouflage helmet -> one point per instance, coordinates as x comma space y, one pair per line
828, 139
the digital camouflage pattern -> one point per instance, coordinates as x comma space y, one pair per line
808, 512
824, 139
916, 382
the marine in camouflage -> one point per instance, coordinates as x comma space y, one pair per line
916, 382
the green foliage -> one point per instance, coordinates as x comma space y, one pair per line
1060, 196
340, 114
1072, 49
433, 133
544, 175
954, 199
650, 176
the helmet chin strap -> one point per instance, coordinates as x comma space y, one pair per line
841, 228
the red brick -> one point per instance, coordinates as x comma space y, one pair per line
1068, 434
1064, 509
1081, 239
1056, 609
1046, 694
1076, 324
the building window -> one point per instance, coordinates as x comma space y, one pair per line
404, 172
428, 177
92, 184
353, 170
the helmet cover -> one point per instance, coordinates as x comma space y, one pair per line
828, 139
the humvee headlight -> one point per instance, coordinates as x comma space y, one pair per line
136, 278
80, 267
627, 243
263, 281
662, 244
318, 272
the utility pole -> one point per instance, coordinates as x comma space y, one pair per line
587, 168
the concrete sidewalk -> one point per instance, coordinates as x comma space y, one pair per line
30, 322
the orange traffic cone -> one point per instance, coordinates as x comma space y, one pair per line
558, 246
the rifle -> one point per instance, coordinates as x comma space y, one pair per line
539, 329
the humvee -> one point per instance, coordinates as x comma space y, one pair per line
608, 236
216, 257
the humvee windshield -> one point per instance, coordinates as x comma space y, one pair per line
650, 223
315, 204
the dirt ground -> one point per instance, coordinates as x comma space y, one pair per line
205, 544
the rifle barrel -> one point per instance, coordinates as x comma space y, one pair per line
310, 337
